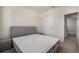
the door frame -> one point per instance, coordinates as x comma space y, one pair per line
65, 22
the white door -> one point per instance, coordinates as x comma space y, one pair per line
48, 25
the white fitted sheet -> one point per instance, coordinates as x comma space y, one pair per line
35, 43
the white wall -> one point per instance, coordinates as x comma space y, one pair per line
18, 16
78, 28
25, 17
72, 25
0, 20
57, 22
6, 19
58, 17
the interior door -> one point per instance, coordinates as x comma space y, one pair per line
48, 25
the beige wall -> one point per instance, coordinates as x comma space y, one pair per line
0, 20
58, 17
6, 19
25, 17
18, 16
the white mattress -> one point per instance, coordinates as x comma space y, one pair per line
35, 43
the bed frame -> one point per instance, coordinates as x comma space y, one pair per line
17, 31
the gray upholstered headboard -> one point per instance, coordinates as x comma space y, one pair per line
17, 31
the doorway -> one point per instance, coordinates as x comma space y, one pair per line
70, 43
71, 25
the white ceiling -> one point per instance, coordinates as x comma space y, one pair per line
40, 8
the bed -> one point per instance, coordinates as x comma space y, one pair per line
27, 40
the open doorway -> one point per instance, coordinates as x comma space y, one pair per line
71, 25
70, 43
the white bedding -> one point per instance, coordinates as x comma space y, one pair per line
35, 43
